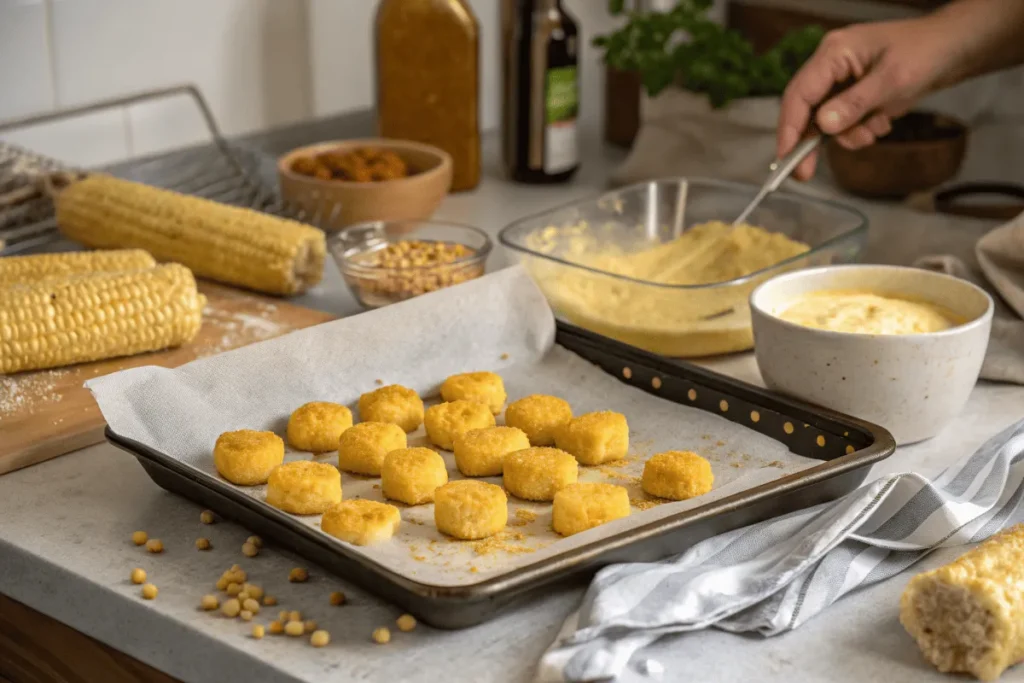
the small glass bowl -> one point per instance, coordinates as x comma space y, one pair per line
359, 250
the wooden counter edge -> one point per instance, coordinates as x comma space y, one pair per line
37, 649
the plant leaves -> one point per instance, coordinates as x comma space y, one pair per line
683, 46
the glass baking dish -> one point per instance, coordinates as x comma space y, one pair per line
680, 320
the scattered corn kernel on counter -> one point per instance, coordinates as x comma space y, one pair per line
488, 519
496, 380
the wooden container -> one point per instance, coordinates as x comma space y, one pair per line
924, 150
339, 203
621, 106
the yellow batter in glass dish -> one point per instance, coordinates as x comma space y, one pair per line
867, 313
650, 310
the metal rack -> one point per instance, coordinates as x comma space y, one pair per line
217, 170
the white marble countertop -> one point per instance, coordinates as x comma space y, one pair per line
65, 550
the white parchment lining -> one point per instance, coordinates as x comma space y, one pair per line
181, 411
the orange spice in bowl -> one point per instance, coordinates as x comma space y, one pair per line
359, 165
345, 182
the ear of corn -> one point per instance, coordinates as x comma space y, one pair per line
57, 322
967, 616
25, 269
226, 243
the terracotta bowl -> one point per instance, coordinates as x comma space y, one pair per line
923, 151
334, 204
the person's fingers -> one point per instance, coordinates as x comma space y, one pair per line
856, 137
793, 118
851, 106
805, 171
879, 124
834, 61
785, 141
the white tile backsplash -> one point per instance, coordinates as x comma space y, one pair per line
263, 63
166, 124
84, 141
25, 84
249, 57
341, 55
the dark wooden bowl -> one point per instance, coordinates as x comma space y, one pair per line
923, 151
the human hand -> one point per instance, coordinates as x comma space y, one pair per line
893, 65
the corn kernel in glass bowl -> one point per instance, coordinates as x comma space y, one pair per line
384, 262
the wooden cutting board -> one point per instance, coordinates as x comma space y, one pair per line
49, 413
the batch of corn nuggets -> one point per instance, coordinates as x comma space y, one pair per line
537, 453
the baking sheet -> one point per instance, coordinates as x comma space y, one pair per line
500, 322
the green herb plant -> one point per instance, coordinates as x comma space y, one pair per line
684, 47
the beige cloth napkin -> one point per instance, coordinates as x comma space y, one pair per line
1000, 255
681, 135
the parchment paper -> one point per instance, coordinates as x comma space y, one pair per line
418, 343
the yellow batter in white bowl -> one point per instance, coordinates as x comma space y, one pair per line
864, 312
900, 347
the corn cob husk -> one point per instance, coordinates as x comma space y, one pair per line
57, 322
225, 243
25, 269
968, 616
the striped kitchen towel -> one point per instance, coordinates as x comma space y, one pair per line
773, 576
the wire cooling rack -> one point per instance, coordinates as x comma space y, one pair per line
217, 170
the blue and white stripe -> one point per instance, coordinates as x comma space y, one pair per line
773, 576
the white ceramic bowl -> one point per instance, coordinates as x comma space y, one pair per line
910, 384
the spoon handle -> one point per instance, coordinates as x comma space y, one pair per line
780, 170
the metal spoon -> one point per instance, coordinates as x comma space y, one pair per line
780, 170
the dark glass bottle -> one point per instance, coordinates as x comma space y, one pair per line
541, 91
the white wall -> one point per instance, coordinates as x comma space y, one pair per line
266, 63
260, 63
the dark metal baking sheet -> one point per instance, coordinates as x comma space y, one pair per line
850, 448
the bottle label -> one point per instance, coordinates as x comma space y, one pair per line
562, 108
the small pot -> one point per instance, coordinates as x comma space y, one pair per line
923, 151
